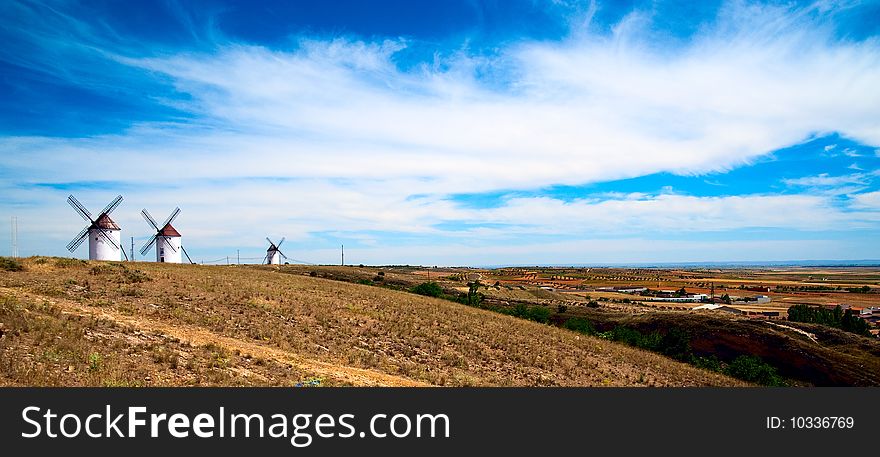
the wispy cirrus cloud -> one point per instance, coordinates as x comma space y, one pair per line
336, 134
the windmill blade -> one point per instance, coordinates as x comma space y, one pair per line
126, 255
149, 219
282, 254
108, 238
279, 243
266, 259
168, 244
271, 243
171, 217
77, 240
149, 243
187, 255
112, 205
79, 208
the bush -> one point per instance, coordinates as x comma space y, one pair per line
593, 304
429, 289
753, 369
676, 343
580, 325
710, 363
10, 264
539, 314
533, 313
67, 262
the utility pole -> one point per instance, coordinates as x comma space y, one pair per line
14, 228
227, 260
343, 255
238, 256
132, 249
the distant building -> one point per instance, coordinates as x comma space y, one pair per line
870, 311
692, 298
714, 307
623, 289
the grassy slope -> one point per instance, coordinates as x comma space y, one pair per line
185, 325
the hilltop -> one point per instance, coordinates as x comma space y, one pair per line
72, 322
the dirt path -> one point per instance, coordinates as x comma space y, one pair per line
198, 336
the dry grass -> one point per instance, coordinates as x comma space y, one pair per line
303, 327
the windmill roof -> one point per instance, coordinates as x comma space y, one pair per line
104, 222
169, 230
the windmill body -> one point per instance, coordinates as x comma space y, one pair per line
274, 254
100, 248
103, 234
169, 245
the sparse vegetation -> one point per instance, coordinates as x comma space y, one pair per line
184, 325
10, 264
753, 369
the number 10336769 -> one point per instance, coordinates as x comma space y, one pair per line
810, 422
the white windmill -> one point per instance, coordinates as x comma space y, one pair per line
274, 254
102, 232
167, 239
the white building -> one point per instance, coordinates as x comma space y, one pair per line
273, 256
99, 247
168, 245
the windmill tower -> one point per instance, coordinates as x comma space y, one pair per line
102, 232
167, 239
274, 254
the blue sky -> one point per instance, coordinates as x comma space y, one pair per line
449, 133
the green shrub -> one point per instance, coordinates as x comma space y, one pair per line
676, 343
10, 264
710, 363
533, 313
580, 325
429, 289
752, 369
538, 314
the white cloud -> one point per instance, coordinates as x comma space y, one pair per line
825, 180
675, 213
359, 137
591, 108
867, 200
